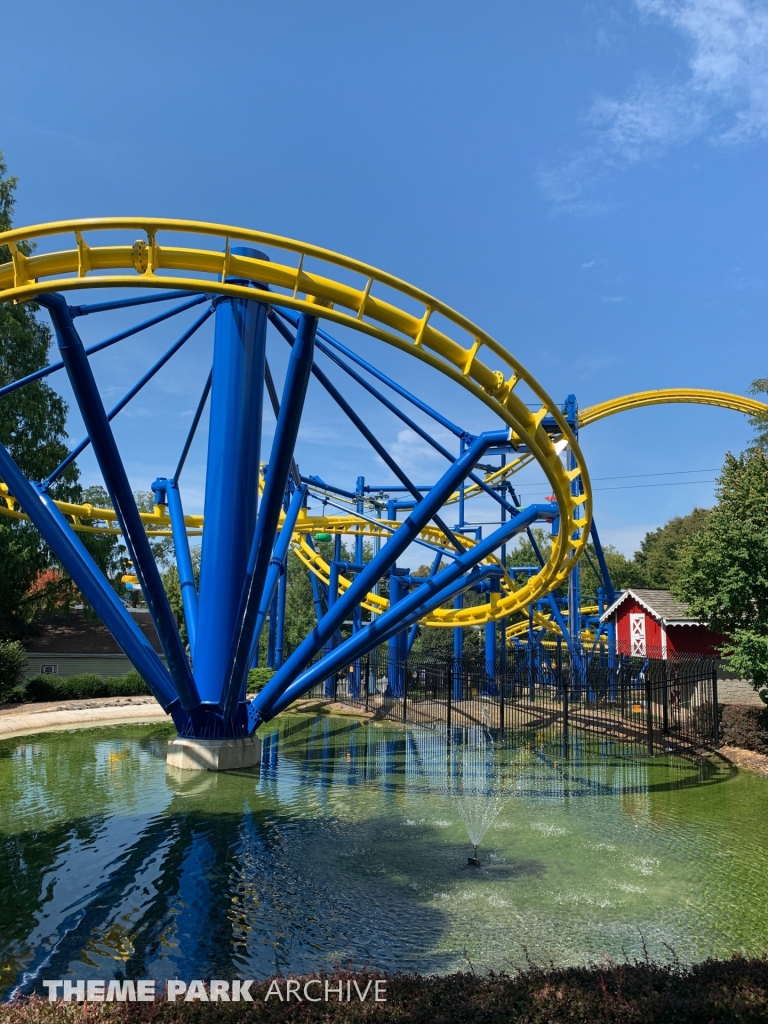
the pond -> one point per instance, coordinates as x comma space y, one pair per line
350, 846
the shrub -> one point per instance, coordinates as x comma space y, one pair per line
84, 687
258, 678
742, 725
13, 659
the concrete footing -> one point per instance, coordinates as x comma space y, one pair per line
220, 755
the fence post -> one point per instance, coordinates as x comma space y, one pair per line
715, 708
649, 713
367, 679
405, 692
501, 677
664, 699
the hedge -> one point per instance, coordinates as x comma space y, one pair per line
744, 725
83, 687
722, 991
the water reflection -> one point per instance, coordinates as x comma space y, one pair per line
347, 844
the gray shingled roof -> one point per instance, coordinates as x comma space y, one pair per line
660, 602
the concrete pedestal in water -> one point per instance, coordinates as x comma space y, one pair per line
217, 755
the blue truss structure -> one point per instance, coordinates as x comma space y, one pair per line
244, 546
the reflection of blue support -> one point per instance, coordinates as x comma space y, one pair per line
231, 487
183, 562
113, 471
57, 533
422, 600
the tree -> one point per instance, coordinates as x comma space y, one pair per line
722, 571
660, 550
760, 421
623, 571
32, 427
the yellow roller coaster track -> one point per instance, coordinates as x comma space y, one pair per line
378, 304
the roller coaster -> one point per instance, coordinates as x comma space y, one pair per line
256, 512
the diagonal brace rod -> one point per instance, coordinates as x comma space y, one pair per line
116, 480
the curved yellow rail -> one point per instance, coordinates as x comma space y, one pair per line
665, 396
380, 305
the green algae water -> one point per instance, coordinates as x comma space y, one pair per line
349, 846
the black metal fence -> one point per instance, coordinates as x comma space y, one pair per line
634, 703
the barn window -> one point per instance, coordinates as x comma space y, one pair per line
49, 670
637, 633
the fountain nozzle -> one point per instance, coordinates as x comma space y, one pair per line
473, 859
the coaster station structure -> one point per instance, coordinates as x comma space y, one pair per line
251, 517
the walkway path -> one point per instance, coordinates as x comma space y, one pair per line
22, 719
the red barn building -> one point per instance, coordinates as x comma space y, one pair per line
654, 624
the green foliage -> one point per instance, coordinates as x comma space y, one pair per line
760, 422
660, 551
258, 679
84, 687
13, 659
32, 427
723, 568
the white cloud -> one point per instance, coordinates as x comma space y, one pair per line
722, 96
612, 298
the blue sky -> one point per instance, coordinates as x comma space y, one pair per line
584, 180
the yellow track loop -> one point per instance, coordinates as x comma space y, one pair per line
686, 396
389, 317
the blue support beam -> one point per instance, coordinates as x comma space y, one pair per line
278, 566
231, 489
183, 561
116, 480
281, 459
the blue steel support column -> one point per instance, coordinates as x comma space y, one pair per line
272, 633
183, 562
333, 593
105, 449
278, 566
490, 656
357, 614
231, 486
394, 646
281, 458
458, 653
280, 637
